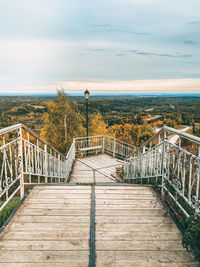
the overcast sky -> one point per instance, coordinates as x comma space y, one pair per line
100, 44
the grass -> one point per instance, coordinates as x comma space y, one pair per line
8, 209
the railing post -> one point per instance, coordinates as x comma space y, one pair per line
163, 165
45, 164
74, 149
103, 143
179, 141
144, 149
198, 154
94, 177
114, 147
59, 166
21, 165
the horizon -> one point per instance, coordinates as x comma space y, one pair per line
107, 94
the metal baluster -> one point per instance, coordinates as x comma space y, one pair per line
20, 162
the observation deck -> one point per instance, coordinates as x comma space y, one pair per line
96, 207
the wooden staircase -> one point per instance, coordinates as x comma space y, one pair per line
53, 228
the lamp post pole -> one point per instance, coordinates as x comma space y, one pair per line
87, 94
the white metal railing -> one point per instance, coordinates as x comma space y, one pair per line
105, 144
178, 169
27, 159
190, 142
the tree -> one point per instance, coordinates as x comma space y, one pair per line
97, 126
121, 131
62, 122
141, 133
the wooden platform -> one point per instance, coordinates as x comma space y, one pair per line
83, 169
52, 228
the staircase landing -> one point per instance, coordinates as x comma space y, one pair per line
83, 169
132, 228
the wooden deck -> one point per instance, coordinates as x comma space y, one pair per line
83, 169
132, 228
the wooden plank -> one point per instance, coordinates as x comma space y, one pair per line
61, 196
55, 219
125, 188
118, 264
128, 207
49, 264
132, 219
54, 206
124, 192
139, 245
125, 197
105, 201
66, 187
30, 245
131, 212
147, 263
79, 201
60, 191
45, 256
55, 212
136, 227
138, 235
46, 235
15, 226
137, 256
90, 148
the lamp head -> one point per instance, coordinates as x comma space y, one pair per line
87, 94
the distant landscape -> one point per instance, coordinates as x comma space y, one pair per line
115, 110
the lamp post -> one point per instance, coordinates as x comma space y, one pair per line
87, 95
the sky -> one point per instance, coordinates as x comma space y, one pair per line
102, 45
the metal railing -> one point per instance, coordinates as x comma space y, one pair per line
178, 169
189, 142
104, 144
27, 159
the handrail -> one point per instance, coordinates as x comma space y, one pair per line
21, 125
105, 136
187, 136
168, 129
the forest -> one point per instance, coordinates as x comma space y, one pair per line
132, 119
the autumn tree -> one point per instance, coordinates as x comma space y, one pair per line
62, 122
141, 133
122, 132
97, 126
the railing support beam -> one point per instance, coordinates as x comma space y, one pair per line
21, 165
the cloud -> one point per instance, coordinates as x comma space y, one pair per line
111, 28
151, 85
149, 54
191, 43
194, 22
120, 55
